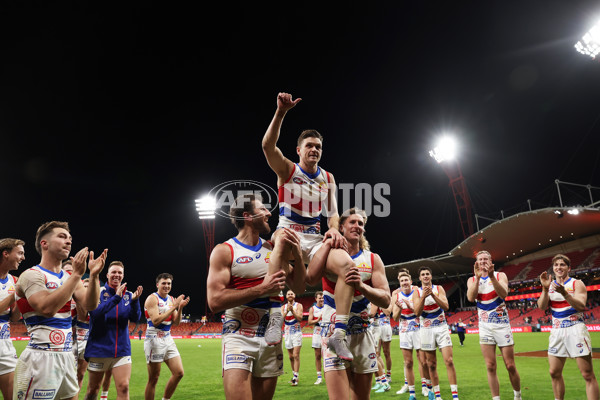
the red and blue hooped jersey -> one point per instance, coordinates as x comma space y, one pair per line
48, 333
301, 200
291, 324
563, 314
491, 308
432, 314
359, 311
164, 305
408, 319
249, 266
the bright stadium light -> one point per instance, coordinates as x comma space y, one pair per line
206, 207
445, 150
590, 42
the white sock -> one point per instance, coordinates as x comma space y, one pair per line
496, 398
517, 394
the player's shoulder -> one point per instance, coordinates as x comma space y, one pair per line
267, 244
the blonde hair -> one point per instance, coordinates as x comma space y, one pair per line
364, 243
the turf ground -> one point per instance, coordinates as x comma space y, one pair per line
202, 380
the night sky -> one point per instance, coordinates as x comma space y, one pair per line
116, 118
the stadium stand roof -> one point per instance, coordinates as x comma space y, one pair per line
511, 238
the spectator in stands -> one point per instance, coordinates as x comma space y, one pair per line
488, 289
569, 337
12, 253
162, 312
238, 283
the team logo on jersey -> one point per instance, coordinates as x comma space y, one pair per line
250, 316
257, 256
244, 260
52, 285
11, 289
267, 257
364, 267
299, 180
57, 336
372, 356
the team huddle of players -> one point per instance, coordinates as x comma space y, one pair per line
76, 325
248, 274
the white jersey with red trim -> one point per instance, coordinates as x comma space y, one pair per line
48, 333
432, 314
563, 314
164, 305
408, 319
7, 289
358, 320
291, 324
491, 308
301, 199
248, 269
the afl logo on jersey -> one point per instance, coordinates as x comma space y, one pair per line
299, 180
244, 260
52, 285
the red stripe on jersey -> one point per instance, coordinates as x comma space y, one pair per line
24, 306
65, 308
244, 283
296, 201
406, 311
431, 307
559, 304
487, 296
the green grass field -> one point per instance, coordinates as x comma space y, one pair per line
202, 380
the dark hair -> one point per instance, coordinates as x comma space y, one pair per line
45, 229
117, 263
242, 204
164, 275
319, 293
309, 133
425, 268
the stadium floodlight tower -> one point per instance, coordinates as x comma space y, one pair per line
206, 207
590, 42
445, 155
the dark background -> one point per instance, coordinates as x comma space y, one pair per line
116, 117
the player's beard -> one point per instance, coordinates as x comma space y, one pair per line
262, 226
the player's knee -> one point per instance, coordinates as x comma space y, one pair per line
491, 366
555, 373
449, 362
588, 375
511, 367
408, 364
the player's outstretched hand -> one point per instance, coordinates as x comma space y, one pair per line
79, 262
96, 265
545, 279
137, 293
285, 102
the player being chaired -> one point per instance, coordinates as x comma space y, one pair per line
305, 192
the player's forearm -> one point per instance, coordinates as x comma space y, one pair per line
380, 297
229, 298
54, 301
473, 291
92, 295
271, 137
334, 221
575, 301
441, 301
543, 300
296, 280
7, 302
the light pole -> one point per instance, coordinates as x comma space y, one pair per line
445, 155
206, 207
